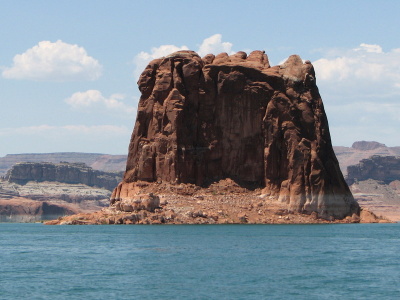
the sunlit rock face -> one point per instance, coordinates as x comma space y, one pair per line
203, 119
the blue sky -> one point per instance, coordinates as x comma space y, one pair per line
68, 69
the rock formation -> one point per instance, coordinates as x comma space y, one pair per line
348, 156
374, 195
71, 173
42, 191
36, 201
204, 119
382, 168
101, 162
25, 210
367, 145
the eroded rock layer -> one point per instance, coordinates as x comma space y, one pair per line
383, 168
203, 119
71, 173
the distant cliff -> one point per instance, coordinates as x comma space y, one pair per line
348, 156
71, 173
382, 168
24, 210
102, 162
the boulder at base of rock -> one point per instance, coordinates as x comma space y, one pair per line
147, 202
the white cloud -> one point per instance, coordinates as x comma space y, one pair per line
212, 44
92, 99
361, 90
143, 58
364, 71
163, 50
338, 68
370, 48
56, 61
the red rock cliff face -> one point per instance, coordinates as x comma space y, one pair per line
203, 119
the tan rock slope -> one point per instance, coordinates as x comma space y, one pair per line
202, 120
44, 191
38, 201
375, 183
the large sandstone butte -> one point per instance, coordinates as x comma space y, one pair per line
204, 119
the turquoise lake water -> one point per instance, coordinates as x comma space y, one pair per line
354, 261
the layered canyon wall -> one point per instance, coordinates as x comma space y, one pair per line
382, 168
71, 173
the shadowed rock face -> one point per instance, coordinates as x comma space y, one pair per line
382, 168
101, 162
203, 119
72, 173
24, 210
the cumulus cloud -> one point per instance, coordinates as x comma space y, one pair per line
212, 44
93, 99
364, 71
56, 61
361, 90
369, 48
143, 58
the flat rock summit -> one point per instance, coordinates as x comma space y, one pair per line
236, 120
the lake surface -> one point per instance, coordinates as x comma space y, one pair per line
346, 261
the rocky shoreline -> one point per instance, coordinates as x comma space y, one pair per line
224, 202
